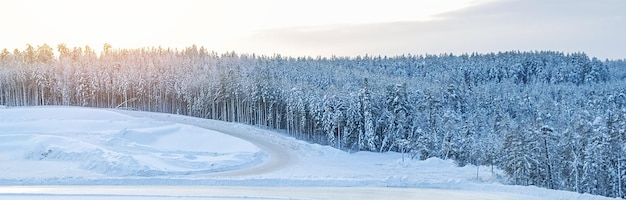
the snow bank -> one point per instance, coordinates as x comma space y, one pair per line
47, 142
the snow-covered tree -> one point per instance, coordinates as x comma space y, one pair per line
549, 119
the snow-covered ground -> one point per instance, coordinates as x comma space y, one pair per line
162, 156
43, 142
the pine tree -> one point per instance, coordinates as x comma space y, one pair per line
549, 119
595, 167
368, 136
516, 160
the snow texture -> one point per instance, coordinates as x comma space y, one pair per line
39, 142
69, 146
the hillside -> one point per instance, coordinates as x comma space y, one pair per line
549, 119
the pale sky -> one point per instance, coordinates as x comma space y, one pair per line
322, 27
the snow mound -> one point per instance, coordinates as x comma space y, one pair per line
45, 142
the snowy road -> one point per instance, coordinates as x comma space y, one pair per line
280, 156
234, 192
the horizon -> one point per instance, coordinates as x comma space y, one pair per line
323, 28
98, 52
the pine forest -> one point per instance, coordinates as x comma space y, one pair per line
550, 119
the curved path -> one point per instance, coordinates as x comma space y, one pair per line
279, 155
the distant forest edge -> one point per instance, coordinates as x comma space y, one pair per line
549, 119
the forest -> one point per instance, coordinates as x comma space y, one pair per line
550, 119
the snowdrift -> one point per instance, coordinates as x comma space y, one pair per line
39, 142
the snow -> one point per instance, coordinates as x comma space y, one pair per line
42, 142
204, 192
82, 153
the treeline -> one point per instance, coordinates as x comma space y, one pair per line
549, 119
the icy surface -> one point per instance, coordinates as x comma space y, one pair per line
165, 156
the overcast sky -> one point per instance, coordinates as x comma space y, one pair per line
323, 27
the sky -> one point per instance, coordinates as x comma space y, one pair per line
322, 27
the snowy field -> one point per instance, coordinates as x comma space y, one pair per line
83, 153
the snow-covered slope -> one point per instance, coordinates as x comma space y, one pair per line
67, 146
57, 142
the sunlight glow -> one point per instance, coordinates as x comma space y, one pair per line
211, 23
